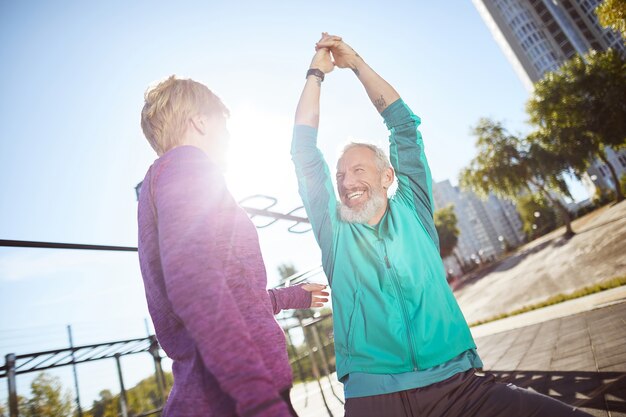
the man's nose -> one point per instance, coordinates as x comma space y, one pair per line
347, 181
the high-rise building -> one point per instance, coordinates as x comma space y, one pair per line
537, 36
486, 226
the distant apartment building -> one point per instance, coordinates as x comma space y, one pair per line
537, 36
599, 176
486, 226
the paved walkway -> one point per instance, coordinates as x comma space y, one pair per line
579, 359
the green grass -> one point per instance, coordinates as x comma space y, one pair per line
559, 298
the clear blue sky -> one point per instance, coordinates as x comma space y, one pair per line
71, 149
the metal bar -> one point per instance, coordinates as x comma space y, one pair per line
158, 370
105, 351
149, 413
123, 399
88, 350
52, 245
65, 364
40, 363
78, 407
10, 364
315, 369
267, 213
299, 367
318, 342
55, 351
47, 352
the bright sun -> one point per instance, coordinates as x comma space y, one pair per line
258, 157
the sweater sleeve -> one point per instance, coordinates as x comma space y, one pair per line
290, 297
187, 191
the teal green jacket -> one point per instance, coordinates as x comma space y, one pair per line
393, 311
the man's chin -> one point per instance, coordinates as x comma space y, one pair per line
363, 212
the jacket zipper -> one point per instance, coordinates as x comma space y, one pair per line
403, 306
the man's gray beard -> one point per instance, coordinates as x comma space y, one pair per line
365, 212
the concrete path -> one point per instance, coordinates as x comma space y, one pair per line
549, 265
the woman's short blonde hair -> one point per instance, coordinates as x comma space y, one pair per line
168, 107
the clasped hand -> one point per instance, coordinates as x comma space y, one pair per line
332, 51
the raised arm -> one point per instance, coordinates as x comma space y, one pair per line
308, 110
380, 92
314, 180
406, 148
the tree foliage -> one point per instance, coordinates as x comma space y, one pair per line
510, 167
612, 14
580, 109
538, 217
446, 224
47, 398
141, 398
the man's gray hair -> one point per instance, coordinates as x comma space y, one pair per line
382, 161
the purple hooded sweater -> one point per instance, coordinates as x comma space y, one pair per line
205, 284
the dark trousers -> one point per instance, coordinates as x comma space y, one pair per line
465, 394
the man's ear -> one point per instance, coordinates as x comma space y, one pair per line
199, 123
388, 175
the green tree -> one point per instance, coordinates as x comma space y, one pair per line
48, 398
537, 215
510, 167
580, 109
445, 223
142, 398
612, 14
106, 406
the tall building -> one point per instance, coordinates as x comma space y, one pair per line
537, 36
486, 227
598, 174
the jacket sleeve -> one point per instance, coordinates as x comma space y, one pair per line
288, 298
406, 152
316, 189
187, 192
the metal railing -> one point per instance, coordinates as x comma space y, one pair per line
73, 355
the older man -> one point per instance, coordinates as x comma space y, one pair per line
403, 347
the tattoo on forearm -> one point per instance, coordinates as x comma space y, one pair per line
380, 103
319, 81
356, 71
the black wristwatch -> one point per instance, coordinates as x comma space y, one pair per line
317, 72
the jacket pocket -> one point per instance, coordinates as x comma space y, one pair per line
354, 316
